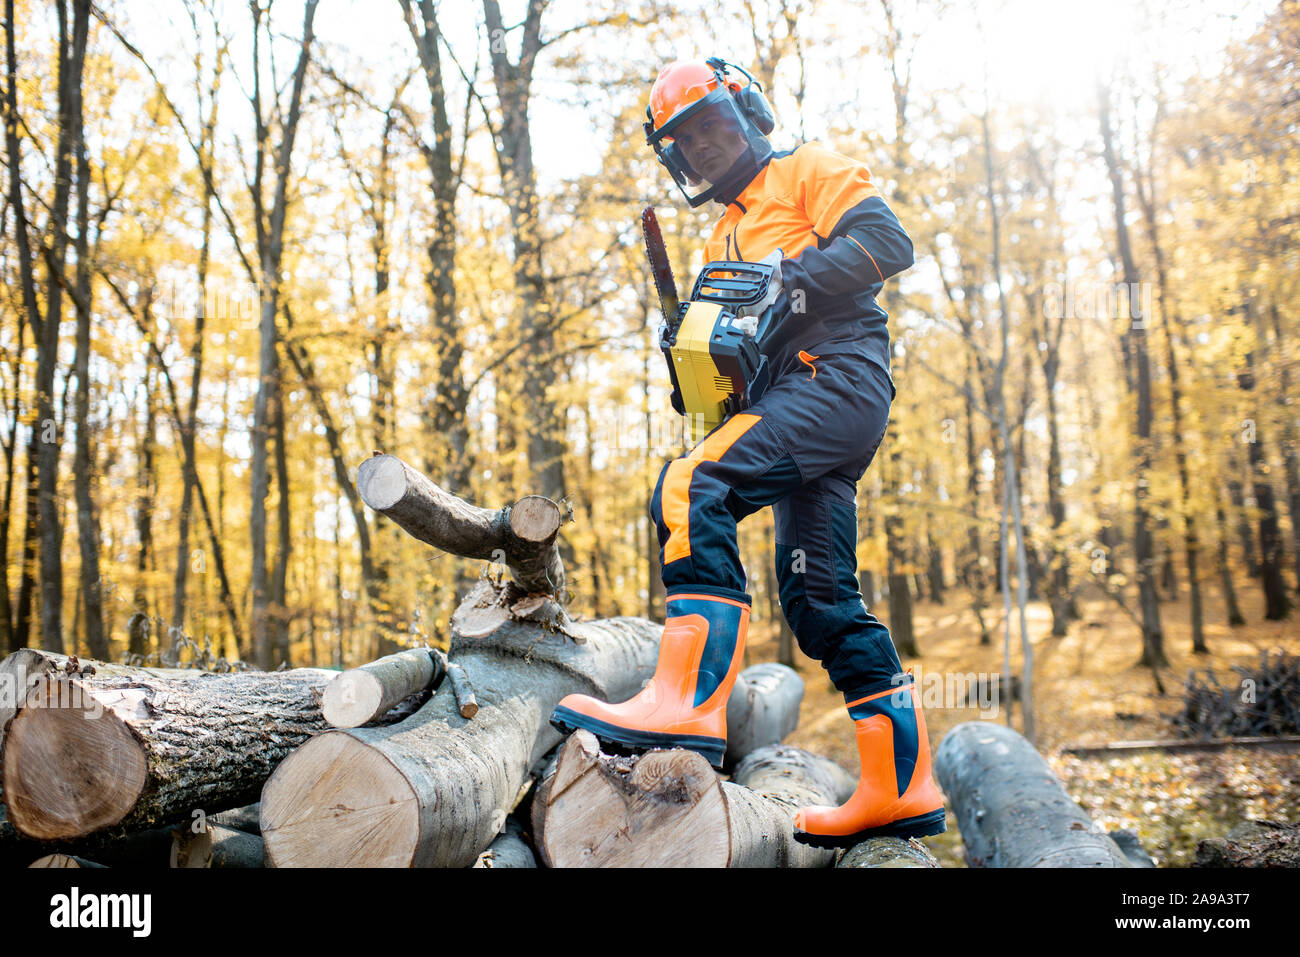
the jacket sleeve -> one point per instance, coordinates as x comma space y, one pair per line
860, 242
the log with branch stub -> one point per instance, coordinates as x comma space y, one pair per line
366, 693
135, 748
521, 536
1011, 809
435, 789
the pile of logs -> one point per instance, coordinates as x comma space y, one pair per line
418, 759
1262, 701
432, 759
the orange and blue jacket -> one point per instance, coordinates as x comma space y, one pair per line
839, 240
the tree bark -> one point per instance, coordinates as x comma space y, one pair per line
434, 790
1010, 807
180, 741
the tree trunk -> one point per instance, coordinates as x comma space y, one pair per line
1277, 602
1011, 809
1153, 652
72, 56
538, 314
270, 249
88, 536
181, 741
434, 790
1235, 617
445, 412
1290, 442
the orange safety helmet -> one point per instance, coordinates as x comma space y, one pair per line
688, 88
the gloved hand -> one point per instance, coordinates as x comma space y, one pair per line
774, 287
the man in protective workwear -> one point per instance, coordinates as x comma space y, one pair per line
801, 448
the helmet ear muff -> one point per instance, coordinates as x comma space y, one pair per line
754, 105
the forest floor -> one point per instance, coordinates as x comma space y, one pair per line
1088, 690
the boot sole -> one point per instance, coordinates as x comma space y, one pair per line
566, 721
923, 825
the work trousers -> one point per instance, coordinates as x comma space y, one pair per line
802, 448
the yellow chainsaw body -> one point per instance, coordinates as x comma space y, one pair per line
704, 387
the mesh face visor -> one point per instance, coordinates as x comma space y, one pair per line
709, 146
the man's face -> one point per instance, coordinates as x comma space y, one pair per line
711, 142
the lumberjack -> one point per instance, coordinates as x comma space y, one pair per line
827, 242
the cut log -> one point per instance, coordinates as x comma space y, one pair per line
768, 787
435, 789
215, 846
1253, 844
1011, 809
508, 850
522, 536
763, 709
363, 694
888, 852
669, 808
130, 748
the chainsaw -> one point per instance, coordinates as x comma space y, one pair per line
715, 358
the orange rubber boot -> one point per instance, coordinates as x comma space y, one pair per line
896, 794
685, 704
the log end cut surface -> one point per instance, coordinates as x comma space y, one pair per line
382, 481
336, 802
351, 699
663, 810
71, 765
